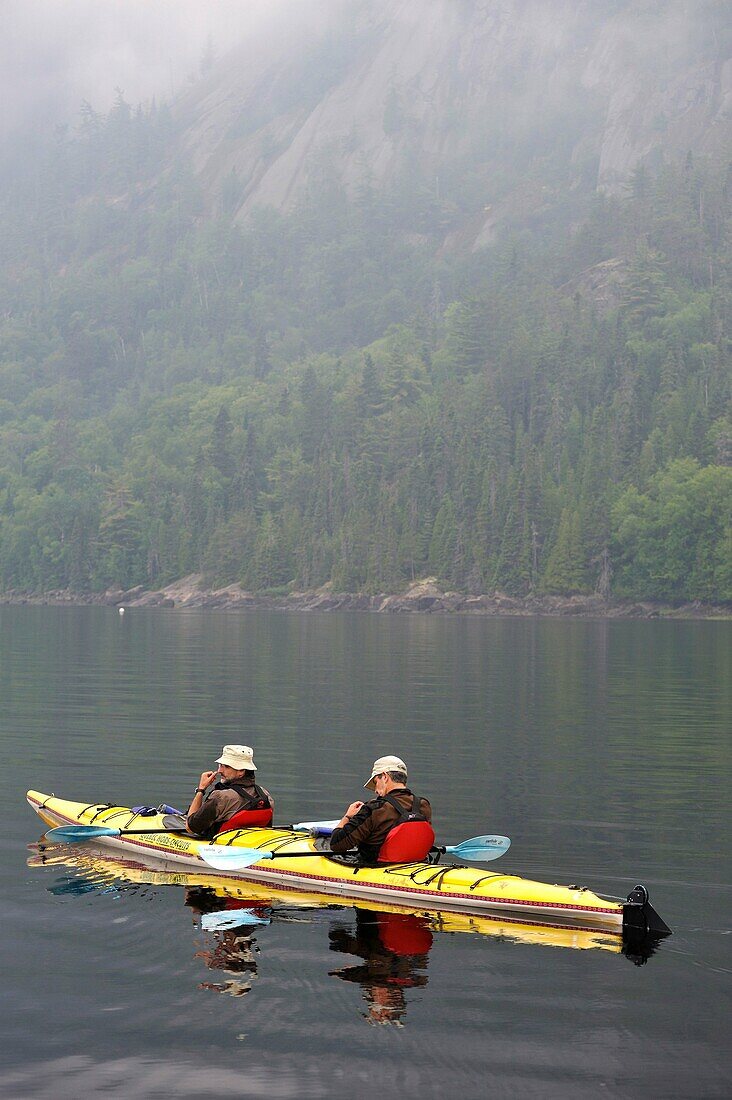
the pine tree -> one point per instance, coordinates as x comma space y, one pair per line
221, 454
512, 572
443, 543
467, 336
564, 573
370, 396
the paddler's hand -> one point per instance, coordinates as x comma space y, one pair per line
350, 812
205, 781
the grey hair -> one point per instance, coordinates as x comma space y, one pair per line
398, 777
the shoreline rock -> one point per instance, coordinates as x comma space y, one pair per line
422, 597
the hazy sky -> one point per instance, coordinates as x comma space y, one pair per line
55, 53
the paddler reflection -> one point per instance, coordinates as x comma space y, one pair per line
394, 947
231, 923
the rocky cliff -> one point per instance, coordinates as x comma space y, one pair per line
499, 105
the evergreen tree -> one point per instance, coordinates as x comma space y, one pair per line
564, 571
443, 544
512, 571
370, 398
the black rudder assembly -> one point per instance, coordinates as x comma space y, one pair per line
640, 916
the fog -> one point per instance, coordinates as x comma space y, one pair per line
56, 53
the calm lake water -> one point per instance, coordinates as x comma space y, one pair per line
602, 749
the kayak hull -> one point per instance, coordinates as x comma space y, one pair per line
107, 870
423, 886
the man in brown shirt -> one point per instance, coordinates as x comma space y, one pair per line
365, 825
232, 788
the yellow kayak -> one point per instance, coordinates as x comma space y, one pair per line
107, 869
424, 886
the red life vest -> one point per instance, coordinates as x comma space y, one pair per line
256, 812
410, 837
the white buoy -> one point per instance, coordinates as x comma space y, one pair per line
121, 610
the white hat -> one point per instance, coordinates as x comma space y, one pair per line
385, 764
239, 757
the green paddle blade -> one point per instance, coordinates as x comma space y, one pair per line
77, 834
480, 849
225, 858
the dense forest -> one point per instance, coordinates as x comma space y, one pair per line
330, 395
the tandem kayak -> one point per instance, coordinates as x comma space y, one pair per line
424, 886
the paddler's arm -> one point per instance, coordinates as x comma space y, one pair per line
207, 778
354, 826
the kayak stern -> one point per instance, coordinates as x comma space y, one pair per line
640, 917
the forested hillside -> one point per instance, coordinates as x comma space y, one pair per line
330, 394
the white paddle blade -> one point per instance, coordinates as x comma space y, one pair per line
316, 827
229, 858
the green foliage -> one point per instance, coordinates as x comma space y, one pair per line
565, 567
675, 540
330, 396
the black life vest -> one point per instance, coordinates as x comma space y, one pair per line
410, 837
256, 811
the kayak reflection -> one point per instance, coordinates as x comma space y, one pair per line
394, 947
392, 941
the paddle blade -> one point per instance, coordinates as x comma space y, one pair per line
480, 849
77, 834
317, 828
225, 858
230, 918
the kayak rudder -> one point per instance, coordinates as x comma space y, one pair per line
639, 916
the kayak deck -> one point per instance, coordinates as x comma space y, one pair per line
426, 886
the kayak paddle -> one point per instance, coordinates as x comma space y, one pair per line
480, 849
317, 828
77, 834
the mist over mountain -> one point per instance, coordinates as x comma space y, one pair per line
525, 99
386, 292
54, 56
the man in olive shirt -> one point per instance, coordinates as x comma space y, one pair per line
365, 825
232, 789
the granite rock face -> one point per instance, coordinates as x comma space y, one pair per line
503, 85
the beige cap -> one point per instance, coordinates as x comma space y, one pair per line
385, 764
239, 757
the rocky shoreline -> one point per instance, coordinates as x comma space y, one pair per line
421, 597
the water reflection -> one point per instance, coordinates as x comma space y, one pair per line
392, 943
602, 749
394, 947
233, 947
